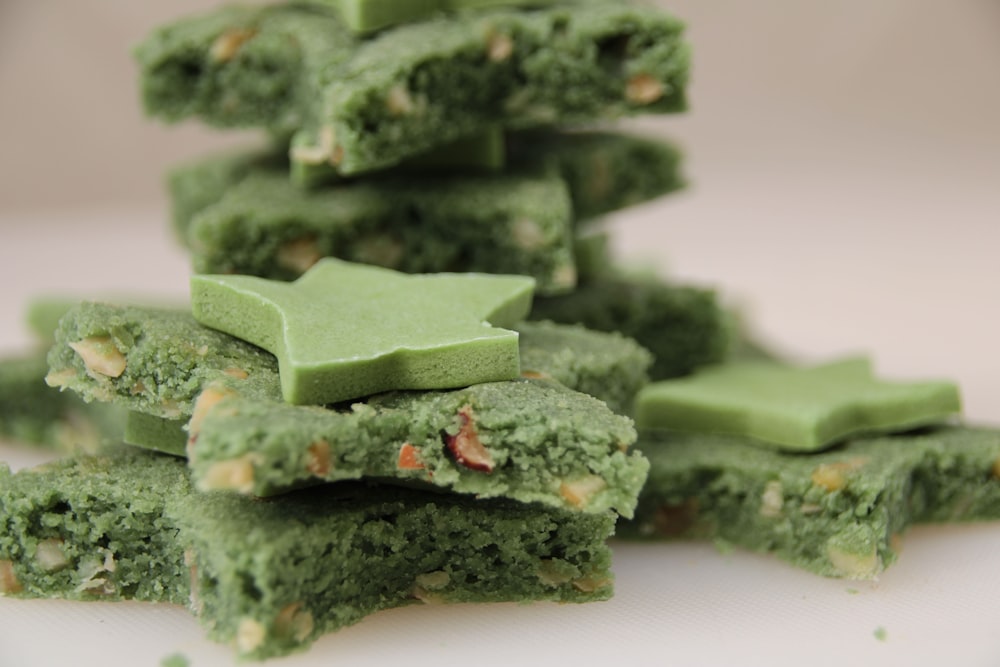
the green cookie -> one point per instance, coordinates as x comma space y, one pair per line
803, 409
363, 105
270, 577
531, 439
834, 513
345, 331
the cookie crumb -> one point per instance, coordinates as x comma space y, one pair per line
880, 634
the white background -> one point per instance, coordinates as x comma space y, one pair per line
845, 159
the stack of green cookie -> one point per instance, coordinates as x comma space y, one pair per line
409, 358
454, 143
338, 430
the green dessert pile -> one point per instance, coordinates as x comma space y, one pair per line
360, 384
410, 365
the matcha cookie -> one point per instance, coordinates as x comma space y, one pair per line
239, 214
366, 104
532, 440
365, 16
270, 577
266, 227
344, 331
684, 327
834, 513
794, 408
32, 413
604, 172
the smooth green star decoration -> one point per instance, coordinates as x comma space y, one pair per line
365, 16
343, 330
803, 409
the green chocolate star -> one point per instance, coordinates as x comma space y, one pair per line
343, 331
364, 16
803, 409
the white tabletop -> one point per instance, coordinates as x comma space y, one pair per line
900, 269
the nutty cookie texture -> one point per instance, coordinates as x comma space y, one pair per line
683, 326
835, 513
32, 413
270, 577
528, 439
365, 104
502, 224
238, 213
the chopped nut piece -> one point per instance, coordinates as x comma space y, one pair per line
578, 492
772, 500
590, 584
228, 44
409, 458
8, 580
319, 458
433, 581
109, 564
466, 446
50, 556
996, 468
206, 401
852, 565
294, 622
100, 355
320, 153
565, 276
399, 101
499, 47
833, 476
830, 476
232, 475
379, 250
535, 375
299, 255
556, 572
644, 89
92, 570
249, 635
237, 373
60, 378
171, 409
97, 586
810, 508
310, 154
527, 234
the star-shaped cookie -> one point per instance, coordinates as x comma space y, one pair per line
365, 16
343, 330
793, 408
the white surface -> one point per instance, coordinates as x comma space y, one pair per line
904, 272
